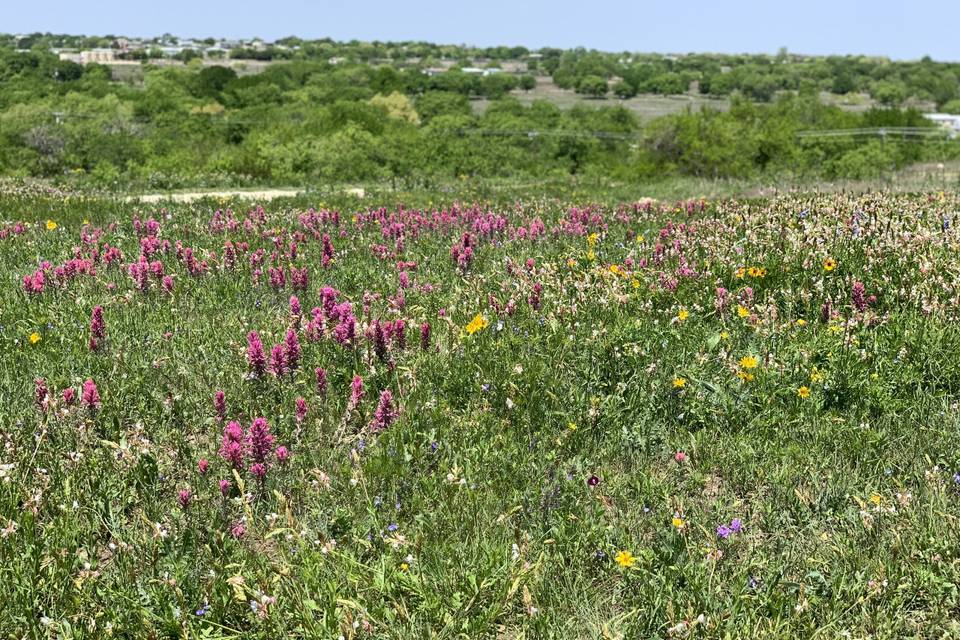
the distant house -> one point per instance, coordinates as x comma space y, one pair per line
480, 72
101, 56
948, 121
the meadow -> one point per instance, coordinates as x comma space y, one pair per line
516, 418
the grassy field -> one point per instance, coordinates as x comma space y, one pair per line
529, 417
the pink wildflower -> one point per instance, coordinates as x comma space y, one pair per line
385, 414
321, 376
90, 396
259, 440
220, 405
231, 447
255, 355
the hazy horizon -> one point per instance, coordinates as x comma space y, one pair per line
882, 28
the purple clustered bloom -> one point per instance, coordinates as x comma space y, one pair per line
231, 447
256, 356
385, 414
292, 350
356, 393
321, 376
259, 440
220, 405
90, 396
278, 360
98, 330
726, 530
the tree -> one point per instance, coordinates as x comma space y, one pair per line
528, 82
593, 86
623, 89
397, 106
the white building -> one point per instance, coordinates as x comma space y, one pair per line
948, 121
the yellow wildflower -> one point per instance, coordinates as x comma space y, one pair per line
804, 392
742, 311
34, 338
679, 383
51, 225
682, 315
753, 272
740, 272
816, 375
635, 283
749, 362
625, 559
678, 523
478, 323
876, 499
829, 264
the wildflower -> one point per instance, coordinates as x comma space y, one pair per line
478, 323
680, 456
256, 357
385, 413
593, 481
231, 447
90, 396
220, 405
682, 315
876, 499
292, 350
736, 525
425, 336
301, 410
238, 530
259, 439
278, 360
98, 330
679, 383
51, 225
282, 454
804, 392
749, 362
859, 296
723, 531
183, 498
625, 559
224, 485
69, 396
321, 377
742, 311
40, 394
356, 393
678, 523
34, 338
258, 470
829, 264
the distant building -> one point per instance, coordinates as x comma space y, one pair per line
101, 56
948, 121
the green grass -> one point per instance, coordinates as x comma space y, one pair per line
526, 456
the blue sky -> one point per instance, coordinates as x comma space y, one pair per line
902, 29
